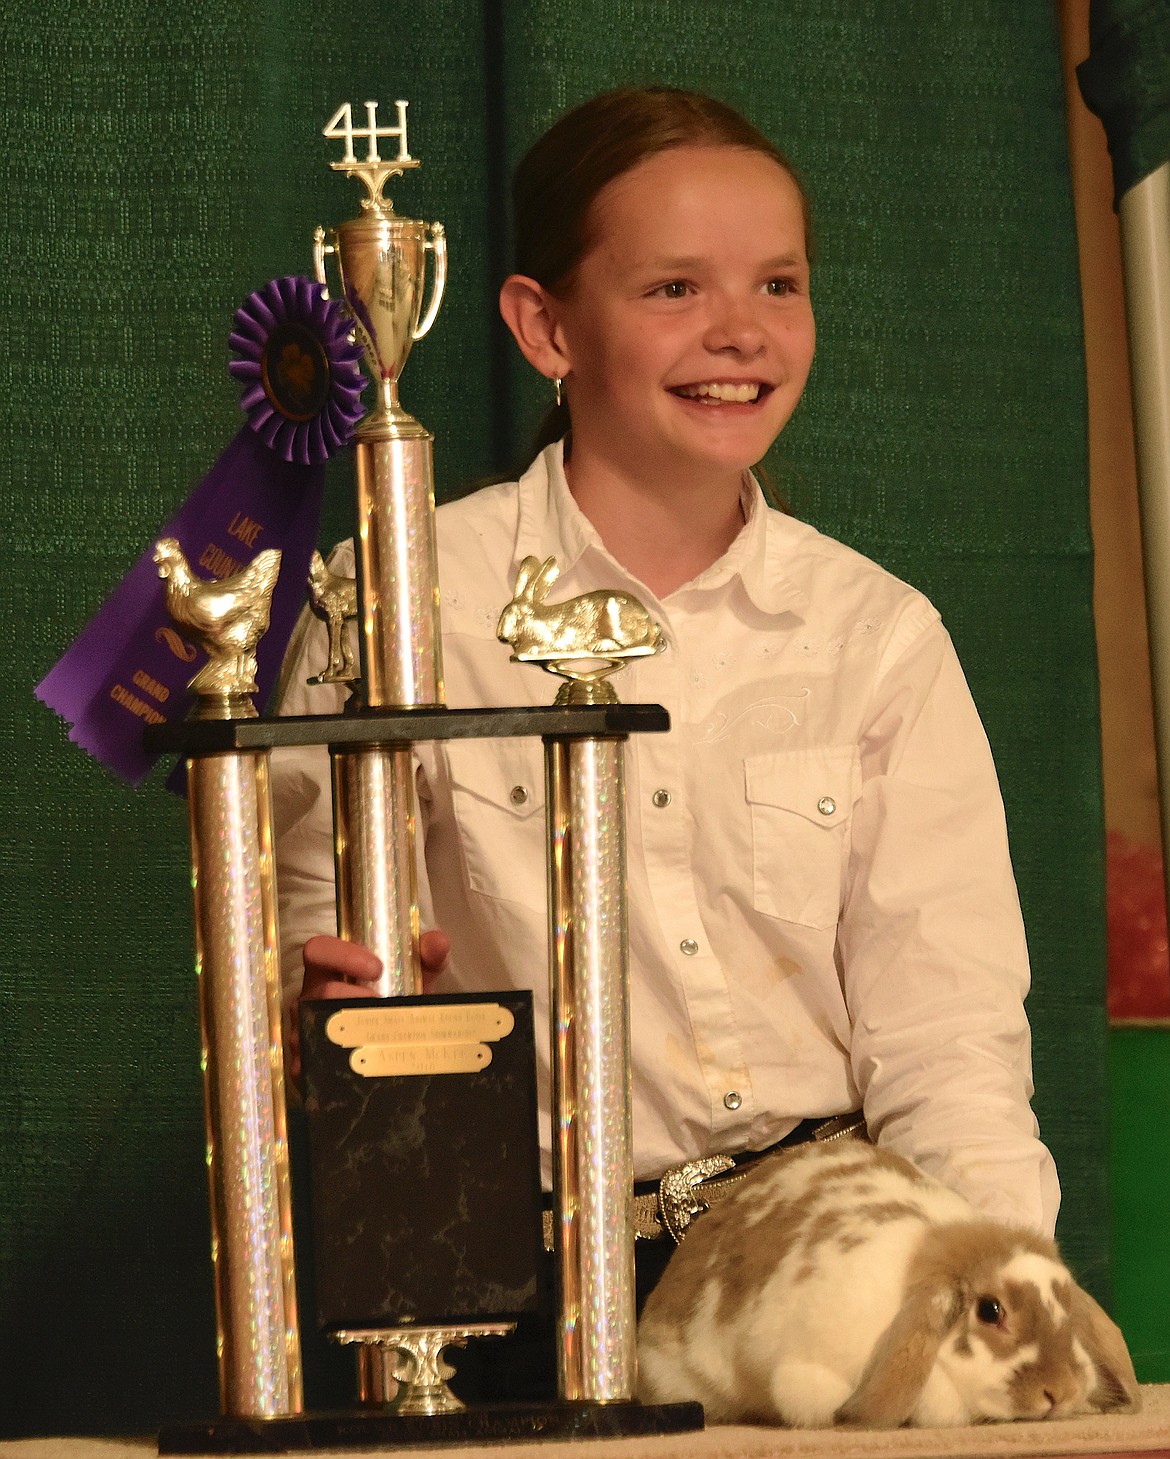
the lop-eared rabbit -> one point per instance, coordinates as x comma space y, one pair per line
839, 1284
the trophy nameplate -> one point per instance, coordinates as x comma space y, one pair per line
424, 1166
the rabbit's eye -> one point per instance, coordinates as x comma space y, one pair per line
988, 1310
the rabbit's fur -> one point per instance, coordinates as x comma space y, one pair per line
840, 1284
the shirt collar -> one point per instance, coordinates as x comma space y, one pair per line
550, 524
758, 556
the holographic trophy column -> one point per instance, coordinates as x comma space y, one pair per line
584, 641
234, 882
593, 1164
381, 260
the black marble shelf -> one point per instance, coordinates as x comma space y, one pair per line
384, 1429
405, 726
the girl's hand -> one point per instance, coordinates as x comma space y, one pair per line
335, 968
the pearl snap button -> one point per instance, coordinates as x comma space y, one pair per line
661, 798
732, 1099
826, 805
689, 946
519, 794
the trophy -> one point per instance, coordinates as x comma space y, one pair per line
381, 262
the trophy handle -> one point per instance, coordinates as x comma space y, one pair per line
320, 249
436, 244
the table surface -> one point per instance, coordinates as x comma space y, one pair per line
1146, 1434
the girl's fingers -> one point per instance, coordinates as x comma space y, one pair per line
434, 947
332, 960
335, 968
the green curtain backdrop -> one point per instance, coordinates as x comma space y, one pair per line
161, 162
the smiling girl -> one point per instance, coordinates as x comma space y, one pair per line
684, 335
822, 913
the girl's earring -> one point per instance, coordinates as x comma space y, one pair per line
557, 390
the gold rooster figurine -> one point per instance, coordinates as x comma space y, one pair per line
229, 617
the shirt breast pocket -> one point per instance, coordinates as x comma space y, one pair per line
497, 790
801, 802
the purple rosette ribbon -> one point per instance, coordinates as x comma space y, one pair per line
299, 368
130, 666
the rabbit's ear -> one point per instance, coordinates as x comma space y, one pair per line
902, 1360
524, 576
1116, 1389
548, 574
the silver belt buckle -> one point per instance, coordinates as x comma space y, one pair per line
678, 1200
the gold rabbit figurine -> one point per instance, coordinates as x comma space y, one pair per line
583, 639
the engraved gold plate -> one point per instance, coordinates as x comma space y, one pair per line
429, 1023
377, 1061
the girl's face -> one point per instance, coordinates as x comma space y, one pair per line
687, 330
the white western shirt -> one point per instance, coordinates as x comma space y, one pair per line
822, 911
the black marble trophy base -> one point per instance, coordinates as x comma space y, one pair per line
425, 1187
383, 1429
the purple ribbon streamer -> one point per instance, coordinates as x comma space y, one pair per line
129, 667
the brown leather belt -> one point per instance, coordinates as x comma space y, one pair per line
683, 1192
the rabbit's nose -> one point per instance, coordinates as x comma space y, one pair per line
1061, 1393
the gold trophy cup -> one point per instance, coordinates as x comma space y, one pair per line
382, 261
